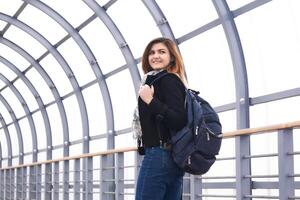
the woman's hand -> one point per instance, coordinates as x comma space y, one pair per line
146, 93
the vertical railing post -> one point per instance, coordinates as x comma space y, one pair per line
38, 169
24, 183
76, 179
19, 182
196, 188
55, 189
107, 184
88, 178
285, 164
7, 184
12, 183
119, 176
66, 169
1, 184
48, 181
32, 182
138, 160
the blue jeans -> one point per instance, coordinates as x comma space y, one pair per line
159, 177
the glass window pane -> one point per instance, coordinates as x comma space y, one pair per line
275, 112
5, 71
3, 143
14, 139
208, 65
74, 118
27, 95
4, 112
10, 8
137, 33
56, 72
95, 109
77, 61
272, 50
13, 102
26, 134
123, 98
103, 45
41, 132
234, 4
183, 14
13, 57
44, 24
75, 12
40, 85
56, 125
24, 40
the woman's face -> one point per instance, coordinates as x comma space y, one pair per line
159, 56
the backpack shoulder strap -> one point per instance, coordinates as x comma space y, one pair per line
161, 75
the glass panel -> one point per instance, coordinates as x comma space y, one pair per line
40, 85
178, 17
208, 64
70, 10
76, 149
3, 144
77, 61
13, 57
56, 72
5, 71
14, 139
137, 33
28, 43
13, 102
98, 145
26, 134
4, 112
234, 4
125, 140
276, 112
43, 24
74, 118
103, 45
27, 95
123, 99
40, 130
9, 8
271, 46
56, 125
95, 109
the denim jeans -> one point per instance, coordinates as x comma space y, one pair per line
159, 177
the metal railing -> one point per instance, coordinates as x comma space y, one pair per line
106, 175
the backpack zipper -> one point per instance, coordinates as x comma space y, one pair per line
189, 160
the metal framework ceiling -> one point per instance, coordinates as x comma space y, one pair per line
17, 150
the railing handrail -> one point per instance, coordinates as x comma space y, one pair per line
230, 134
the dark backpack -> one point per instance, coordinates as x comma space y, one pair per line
194, 147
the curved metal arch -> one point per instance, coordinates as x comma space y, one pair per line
39, 102
8, 140
0, 156
88, 54
17, 127
127, 54
50, 84
65, 67
27, 112
243, 167
159, 19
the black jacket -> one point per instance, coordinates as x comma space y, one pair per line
167, 105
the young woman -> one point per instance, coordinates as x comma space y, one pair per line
161, 109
